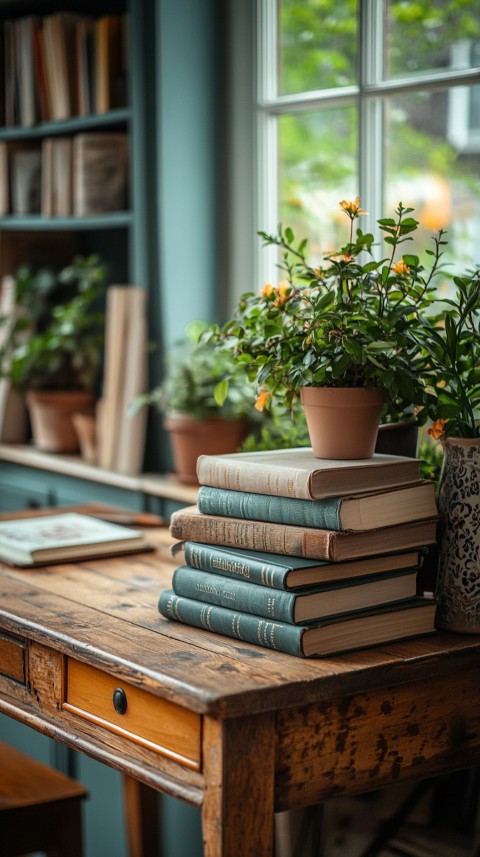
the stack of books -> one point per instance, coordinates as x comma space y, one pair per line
307, 556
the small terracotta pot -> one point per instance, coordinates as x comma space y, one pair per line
191, 438
342, 421
51, 413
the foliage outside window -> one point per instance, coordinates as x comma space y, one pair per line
377, 98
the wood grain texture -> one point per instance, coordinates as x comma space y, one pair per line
232, 795
367, 740
156, 723
278, 732
12, 658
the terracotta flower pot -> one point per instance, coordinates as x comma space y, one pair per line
191, 438
51, 413
342, 421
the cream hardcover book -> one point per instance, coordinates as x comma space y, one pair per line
68, 536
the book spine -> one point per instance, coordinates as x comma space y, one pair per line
240, 626
206, 558
323, 514
253, 535
281, 481
234, 594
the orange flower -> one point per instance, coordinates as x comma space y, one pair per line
437, 429
352, 209
401, 268
262, 400
282, 294
267, 290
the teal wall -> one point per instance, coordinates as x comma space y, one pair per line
188, 161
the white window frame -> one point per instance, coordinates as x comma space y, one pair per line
368, 94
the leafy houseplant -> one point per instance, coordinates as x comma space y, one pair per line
451, 367
451, 374
346, 324
196, 422
53, 343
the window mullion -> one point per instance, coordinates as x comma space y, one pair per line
370, 111
267, 137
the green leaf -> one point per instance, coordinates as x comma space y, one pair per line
220, 392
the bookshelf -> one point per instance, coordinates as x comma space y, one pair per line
124, 238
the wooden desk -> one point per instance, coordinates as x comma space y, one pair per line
229, 727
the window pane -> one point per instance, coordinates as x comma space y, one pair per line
317, 44
318, 168
427, 169
425, 35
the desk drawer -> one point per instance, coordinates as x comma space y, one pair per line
12, 658
133, 713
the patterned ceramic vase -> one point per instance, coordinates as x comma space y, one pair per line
458, 585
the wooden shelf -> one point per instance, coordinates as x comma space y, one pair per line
156, 485
37, 223
73, 125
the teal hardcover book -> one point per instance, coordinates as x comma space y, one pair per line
360, 512
331, 636
280, 571
294, 607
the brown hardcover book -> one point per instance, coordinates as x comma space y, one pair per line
108, 62
100, 172
297, 473
191, 525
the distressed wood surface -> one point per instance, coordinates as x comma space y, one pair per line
238, 807
277, 731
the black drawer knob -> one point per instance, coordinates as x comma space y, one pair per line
120, 700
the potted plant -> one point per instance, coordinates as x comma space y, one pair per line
52, 347
340, 335
451, 402
195, 421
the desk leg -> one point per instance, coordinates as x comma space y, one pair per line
238, 805
141, 816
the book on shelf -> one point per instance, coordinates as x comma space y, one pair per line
100, 172
85, 51
42, 91
60, 57
4, 179
358, 630
121, 433
10, 87
13, 413
110, 70
109, 418
278, 571
295, 608
25, 50
63, 537
297, 473
357, 512
25, 177
61, 176
132, 431
57, 177
189, 524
